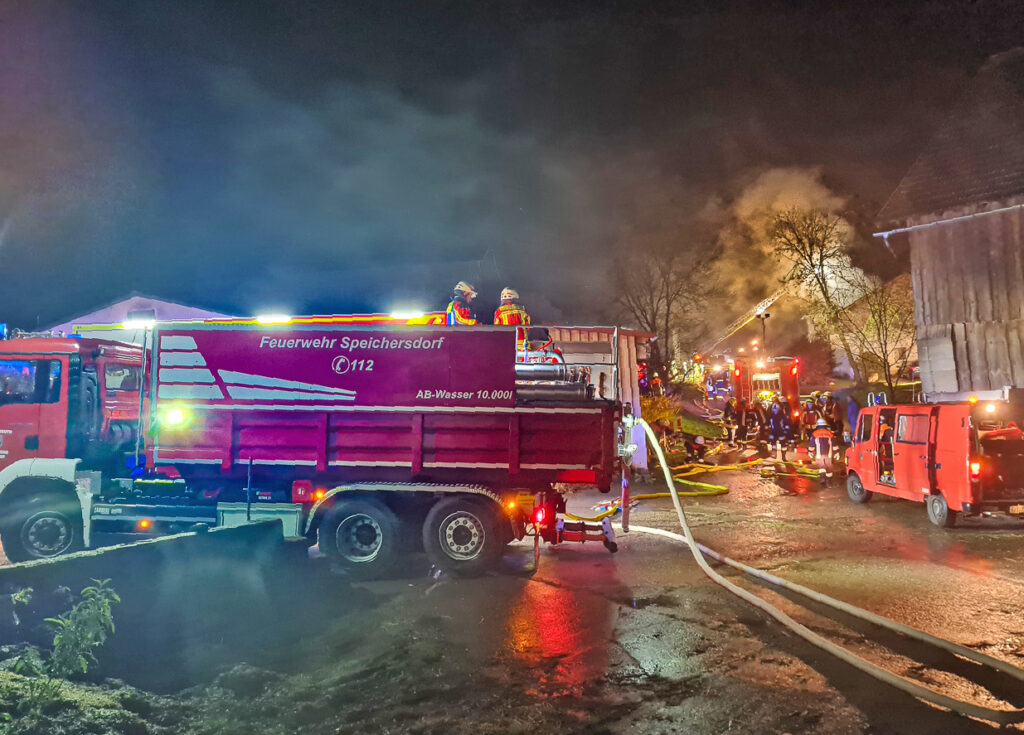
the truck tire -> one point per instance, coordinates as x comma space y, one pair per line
939, 511
42, 527
360, 535
462, 536
855, 489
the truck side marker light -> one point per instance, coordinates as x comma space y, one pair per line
319, 495
972, 400
144, 524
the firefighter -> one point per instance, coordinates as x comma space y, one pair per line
742, 420
809, 420
885, 452
822, 438
512, 314
729, 419
459, 311
778, 428
831, 413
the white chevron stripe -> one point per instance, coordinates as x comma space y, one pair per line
182, 359
177, 342
170, 390
230, 376
271, 394
186, 375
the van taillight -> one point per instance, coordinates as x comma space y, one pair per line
975, 471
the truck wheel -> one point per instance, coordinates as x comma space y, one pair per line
939, 511
855, 489
461, 536
41, 528
360, 535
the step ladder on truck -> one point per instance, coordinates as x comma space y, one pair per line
367, 436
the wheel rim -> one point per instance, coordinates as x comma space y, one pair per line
462, 536
938, 508
358, 538
47, 533
856, 489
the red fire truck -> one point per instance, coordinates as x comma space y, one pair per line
958, 458
362, 436
754, 378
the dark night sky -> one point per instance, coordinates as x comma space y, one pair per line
358, 155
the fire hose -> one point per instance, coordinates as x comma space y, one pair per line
699, 551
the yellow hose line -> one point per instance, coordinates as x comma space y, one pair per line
711, 490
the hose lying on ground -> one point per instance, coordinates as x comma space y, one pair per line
1002, 717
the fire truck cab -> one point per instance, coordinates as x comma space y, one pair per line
957, 458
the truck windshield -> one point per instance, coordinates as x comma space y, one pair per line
121, 378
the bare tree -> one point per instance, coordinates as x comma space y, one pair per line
814, 243
880, 327
663, 289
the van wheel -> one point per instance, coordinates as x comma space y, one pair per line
462, 536
939, 511
361, 536
855, 489
41, 528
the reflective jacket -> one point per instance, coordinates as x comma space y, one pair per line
822, 439
459, 313
511, 314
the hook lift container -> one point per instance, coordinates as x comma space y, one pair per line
370, 438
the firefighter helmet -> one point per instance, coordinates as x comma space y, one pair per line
465, 288
509, 294
822, 424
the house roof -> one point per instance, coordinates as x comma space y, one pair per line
977, 154
117, 312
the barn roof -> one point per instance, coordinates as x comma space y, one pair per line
977, 154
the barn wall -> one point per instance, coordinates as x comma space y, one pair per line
968, 280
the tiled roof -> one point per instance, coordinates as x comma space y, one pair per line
977, 154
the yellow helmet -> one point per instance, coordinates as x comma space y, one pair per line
463, 287
509, 294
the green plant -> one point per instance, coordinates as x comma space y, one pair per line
40, 690
82, 630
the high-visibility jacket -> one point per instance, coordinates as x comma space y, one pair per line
512, 315
459, 313
822, 439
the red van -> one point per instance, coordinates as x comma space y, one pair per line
955, 457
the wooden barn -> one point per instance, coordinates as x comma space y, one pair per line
961, 206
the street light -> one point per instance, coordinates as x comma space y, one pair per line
763, 317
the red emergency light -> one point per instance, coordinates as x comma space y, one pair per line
540, 513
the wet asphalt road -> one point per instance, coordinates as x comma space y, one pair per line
641, 641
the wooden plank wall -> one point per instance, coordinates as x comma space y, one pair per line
968, 281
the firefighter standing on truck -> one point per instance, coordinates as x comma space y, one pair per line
459, 311
513, 314
821, 439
